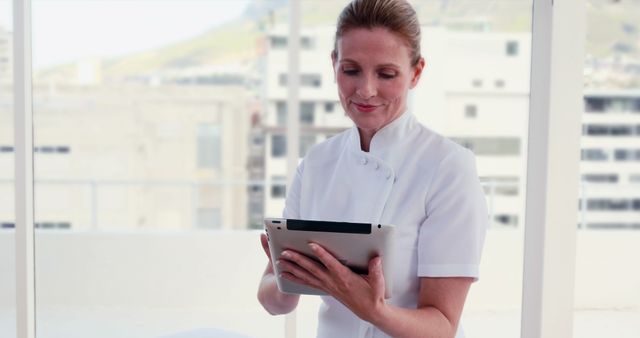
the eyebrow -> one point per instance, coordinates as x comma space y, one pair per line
392, 65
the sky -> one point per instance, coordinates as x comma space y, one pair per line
68, 30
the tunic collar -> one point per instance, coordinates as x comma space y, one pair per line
387, 137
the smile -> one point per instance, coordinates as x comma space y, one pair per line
365, 108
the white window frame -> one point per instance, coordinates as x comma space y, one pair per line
23, 138
555, 109
554, 131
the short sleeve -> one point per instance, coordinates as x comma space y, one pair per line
451, 238
292, 202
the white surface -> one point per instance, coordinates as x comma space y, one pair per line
128, 284
24, 202
558, 38
152, 323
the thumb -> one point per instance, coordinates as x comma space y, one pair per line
376, 278
265, 245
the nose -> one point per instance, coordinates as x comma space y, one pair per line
366, 88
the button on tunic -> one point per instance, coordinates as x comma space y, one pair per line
413, 178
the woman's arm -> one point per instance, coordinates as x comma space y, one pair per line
274, 301
440, 300
440, 305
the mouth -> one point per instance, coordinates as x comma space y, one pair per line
363, 107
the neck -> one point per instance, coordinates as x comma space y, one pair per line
365, 139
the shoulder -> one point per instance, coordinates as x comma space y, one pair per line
439, 150
327, 150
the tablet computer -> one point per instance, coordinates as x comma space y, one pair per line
353, 244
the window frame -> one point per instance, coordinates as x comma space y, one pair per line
547, 308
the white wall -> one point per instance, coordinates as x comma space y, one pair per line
215, 268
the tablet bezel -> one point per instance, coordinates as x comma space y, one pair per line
351, 243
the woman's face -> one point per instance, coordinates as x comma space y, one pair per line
374, 74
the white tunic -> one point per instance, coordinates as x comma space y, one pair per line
413, 178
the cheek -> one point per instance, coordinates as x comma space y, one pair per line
345, 85
392, 91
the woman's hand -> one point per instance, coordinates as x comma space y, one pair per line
264, 240
274, 301
363, 295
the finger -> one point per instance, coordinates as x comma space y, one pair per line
296, 271
293, 278
328, 259
264, 240
304, 262
376, 276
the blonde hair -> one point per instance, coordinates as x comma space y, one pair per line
395, 15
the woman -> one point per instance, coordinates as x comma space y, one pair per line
386, 169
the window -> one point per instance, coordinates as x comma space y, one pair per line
283, 79
613, 226
613, 130
278, 189
329, 107
593, 155
209, 145
53, 225
512, 48
491, 146
507, 190
278, 145
594, 130
622, 154
604, 204
470, 111
278, 42
306, 43
506, 220
499, 83
307, 110
310, 80
281, 42
281, 113
52, 149
594, 104
476, 83
600, 178
306, 142
306, 80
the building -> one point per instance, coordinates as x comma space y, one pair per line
610, 167
6, 56
321, 115
475, 90
136, 157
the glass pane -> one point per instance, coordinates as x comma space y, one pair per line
7, 207
147, 176
478, 65
609, 208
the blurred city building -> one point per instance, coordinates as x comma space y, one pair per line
166, 156
6, 56
610, 164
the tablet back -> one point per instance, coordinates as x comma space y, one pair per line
353, 244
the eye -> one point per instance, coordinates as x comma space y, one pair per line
386, 75
350, 71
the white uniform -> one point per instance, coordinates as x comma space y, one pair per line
413, 178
